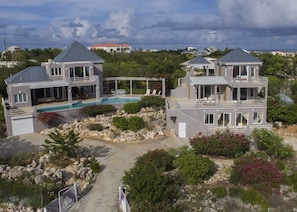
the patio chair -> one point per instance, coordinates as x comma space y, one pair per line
148, 92
154, 92
159, 93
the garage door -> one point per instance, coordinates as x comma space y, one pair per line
22, 126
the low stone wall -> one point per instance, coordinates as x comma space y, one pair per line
155, 119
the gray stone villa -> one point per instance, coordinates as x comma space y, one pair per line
227, 93
231, 95
76, 74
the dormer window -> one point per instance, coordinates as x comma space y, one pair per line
56, 71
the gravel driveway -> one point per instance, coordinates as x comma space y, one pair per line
114, 159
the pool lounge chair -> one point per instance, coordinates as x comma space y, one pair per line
148, 92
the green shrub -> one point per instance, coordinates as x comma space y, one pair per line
95, 126
63, 144
120, 122
20, 159
290, 179
147, 184
158, 157
225, 143
152, 101
135, 123
194, 168
95, 166
235, 191
28, 193
220, 192
272, 144
131, 107
253, 197
94, 110
255, 171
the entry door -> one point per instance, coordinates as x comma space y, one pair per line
182, 130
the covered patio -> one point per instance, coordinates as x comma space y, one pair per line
112, 85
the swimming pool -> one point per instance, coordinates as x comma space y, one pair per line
79, 104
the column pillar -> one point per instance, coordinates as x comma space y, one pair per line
131, 87
69, 94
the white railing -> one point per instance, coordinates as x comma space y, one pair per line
123, 202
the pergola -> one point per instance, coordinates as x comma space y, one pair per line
131, 79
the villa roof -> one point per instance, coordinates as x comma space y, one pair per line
76, 52
211, 80
30, 74
239, 56
198, 60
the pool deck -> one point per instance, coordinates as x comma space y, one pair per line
53, 104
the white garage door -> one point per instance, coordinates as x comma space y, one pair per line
22, 126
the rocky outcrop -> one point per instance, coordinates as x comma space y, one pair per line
41, 171
155, 119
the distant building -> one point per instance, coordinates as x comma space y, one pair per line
210, 50
112, 47
11, 49
284, 54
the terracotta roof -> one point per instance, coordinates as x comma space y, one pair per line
109, 45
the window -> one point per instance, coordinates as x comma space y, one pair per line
209, 119
56, 72
257, 118
224, 119
234, 96
206, 91
253, 72
20, 98
252, 92
240, 71
241, 119
243, 93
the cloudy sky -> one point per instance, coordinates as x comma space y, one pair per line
150, 24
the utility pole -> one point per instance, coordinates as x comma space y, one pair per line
5, 53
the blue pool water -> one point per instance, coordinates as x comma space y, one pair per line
111, 100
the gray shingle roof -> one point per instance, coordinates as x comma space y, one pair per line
76, 52
199, 61
212, 80
239, 56
30, 74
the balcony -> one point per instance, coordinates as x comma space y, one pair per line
89, 80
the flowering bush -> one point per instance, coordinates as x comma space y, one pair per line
255, 171
225, 143
48, 118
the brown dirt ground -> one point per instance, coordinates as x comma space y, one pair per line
287, 131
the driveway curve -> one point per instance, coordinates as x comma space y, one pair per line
114, 159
